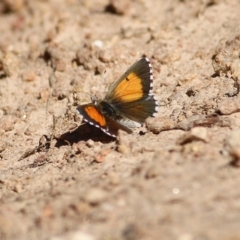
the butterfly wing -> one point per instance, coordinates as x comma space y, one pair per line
134, 84
131, 96
139, 110
93, 116
114, 126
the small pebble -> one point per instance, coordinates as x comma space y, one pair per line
29, 76
101, 155
195, 134
233, 143
123, 149
7, 123
60, 65
123, 142
152, 171
90, 143
95, 196
98, 43
31, 129
18, 188
120, 7
159, 124
114, 178
106, 56
185, 236
3, 146
81, 145
78, 235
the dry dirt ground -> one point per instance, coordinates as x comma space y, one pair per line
177, 177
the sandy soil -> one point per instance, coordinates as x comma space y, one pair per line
177, 177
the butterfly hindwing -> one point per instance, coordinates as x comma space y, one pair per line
138, 110
114, 126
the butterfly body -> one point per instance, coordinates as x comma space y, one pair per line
128, 102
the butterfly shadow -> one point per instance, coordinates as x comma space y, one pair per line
84, 132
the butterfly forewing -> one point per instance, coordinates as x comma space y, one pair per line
92, 115
134, 84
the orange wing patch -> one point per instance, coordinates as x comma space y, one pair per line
129, 89
95, 115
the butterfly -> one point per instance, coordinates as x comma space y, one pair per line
127, 104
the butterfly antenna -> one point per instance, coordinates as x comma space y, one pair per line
101, 88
